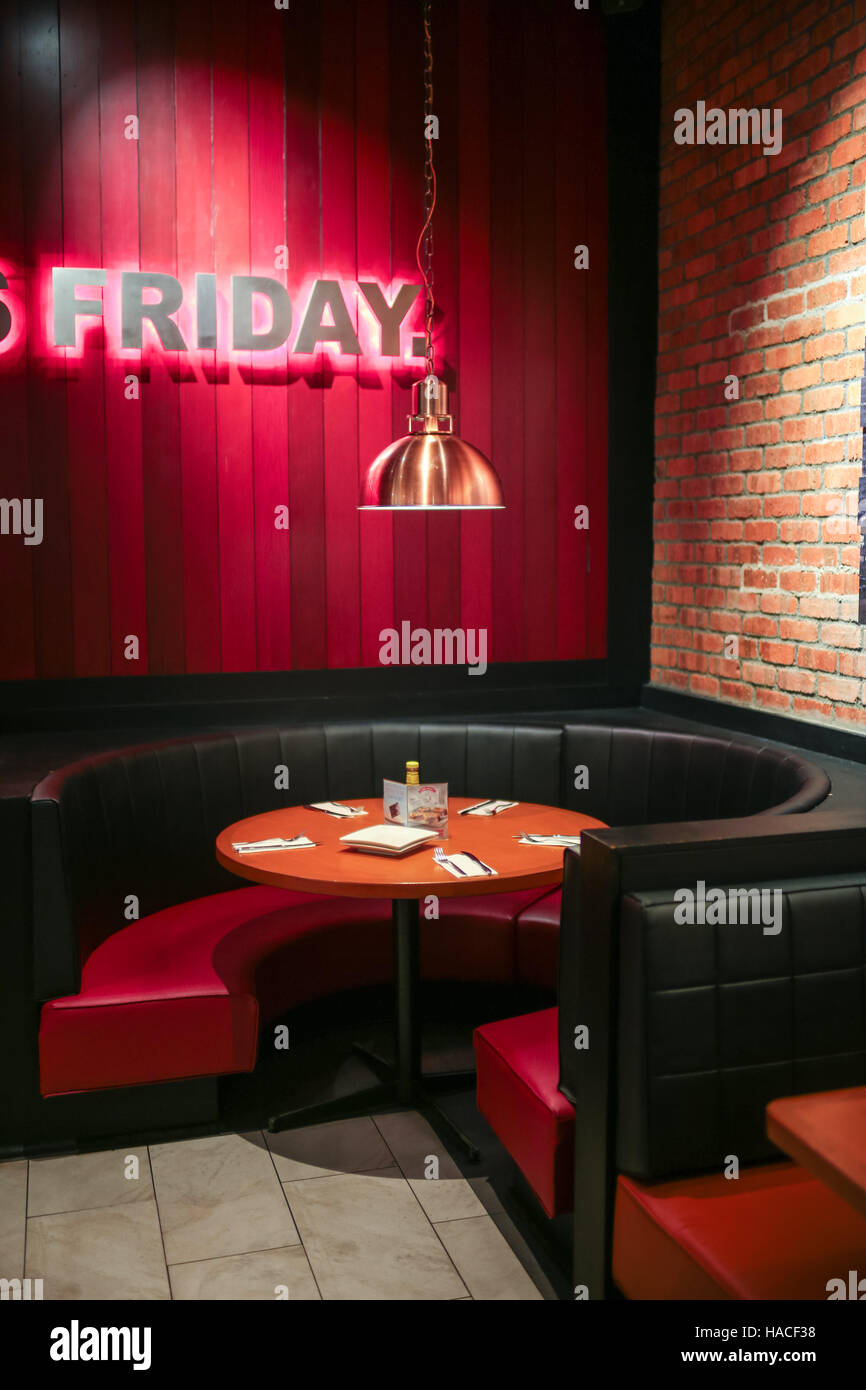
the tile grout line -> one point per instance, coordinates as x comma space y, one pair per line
238, 1255
159, 1222
282, 1187
415, 1195
485, 1211
26, 1216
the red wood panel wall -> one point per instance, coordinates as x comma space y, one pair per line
260, 128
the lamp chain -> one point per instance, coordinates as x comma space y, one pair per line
426, 237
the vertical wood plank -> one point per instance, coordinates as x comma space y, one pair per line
476, 549
443, 528
372, 170
231, 177
195, 255
406, 57
572, 405
269, 374
53, 578
82, 246
340, 453
123, 426
539, 312
508, 95
303, 223
17, 644
160, 368
596, 338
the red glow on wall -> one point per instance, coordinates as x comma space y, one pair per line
11, 314
100, 328
257, 128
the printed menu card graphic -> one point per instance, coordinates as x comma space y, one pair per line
424, 806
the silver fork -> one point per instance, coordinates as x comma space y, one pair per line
442, 858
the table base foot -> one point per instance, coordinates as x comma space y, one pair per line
444, 1080
444, 1125
341, 1108
379, 1065
383, 1097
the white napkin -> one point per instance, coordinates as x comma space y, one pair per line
262, 846
558, 841
464, 866
487, 808
336, 808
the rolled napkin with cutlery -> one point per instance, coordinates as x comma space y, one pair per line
336, 808
462, 864
557, 841
276, 842
487, 808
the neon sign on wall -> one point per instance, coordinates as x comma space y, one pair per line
250, 314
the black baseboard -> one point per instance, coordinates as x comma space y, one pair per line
816, 738
78, 1123
260, 697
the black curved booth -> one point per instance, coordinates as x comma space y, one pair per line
182, 991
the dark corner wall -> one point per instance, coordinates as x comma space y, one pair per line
633, 87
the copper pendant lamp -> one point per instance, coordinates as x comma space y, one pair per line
430, 467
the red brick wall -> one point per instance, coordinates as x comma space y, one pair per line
762, 271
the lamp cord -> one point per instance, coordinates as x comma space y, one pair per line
426, 236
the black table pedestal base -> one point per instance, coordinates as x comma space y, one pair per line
401, 1085
375, 1099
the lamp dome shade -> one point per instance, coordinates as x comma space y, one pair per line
431, 467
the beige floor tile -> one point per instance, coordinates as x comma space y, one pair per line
367, 1238
106, 1253
486, 1194
412, 1141
76, 1182
244, 1277
487, 1264
446, 1199
503, 1222
13, 1214
219, 1196
345, 1146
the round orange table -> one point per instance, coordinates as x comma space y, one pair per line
332, 868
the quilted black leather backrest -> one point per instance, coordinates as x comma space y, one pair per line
143, 821
652, 777
715, 1021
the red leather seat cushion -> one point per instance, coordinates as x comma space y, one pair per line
773, 1233
180, 993
538, 941
518, 1069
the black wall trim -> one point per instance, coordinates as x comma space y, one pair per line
633, 105
818, 738
256, 697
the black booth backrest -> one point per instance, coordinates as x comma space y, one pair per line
715, 1021
654, 777
143, 821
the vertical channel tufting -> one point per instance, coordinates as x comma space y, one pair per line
721, 782
609, 813
753, 771
788, 930
648, 778
684, 799
199, 775
863, 960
